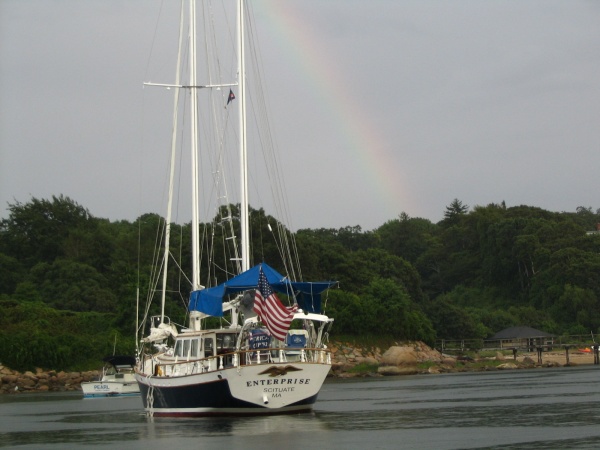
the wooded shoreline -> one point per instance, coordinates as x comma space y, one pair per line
69, 279
348, 361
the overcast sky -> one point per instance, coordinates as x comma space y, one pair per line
378, 107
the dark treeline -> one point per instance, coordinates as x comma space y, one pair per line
69, 279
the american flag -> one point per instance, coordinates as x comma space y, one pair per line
272, 312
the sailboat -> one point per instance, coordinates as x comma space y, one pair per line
266, 357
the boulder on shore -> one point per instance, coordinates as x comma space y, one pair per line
395, 370
410, 355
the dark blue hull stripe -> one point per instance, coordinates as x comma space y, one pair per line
210, 399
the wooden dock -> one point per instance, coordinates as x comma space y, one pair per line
461, 347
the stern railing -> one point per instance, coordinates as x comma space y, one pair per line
235, 359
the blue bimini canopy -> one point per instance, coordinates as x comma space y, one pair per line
308, 295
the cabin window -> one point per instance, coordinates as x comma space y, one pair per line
208, 346
178, 348
225, 343
228, 341
186, 347
195, 345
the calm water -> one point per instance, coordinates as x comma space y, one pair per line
535, 409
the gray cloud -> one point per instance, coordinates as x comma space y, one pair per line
483, 101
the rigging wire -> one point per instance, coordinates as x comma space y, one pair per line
286, 241
214, 117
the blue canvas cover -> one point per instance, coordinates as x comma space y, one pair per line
308, 295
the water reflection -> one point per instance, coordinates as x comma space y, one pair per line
232, 426
533, 409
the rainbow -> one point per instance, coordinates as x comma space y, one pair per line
363, 139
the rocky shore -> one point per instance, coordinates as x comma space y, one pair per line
348, 361
417, 358
12, 381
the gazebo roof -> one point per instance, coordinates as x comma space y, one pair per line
520, 333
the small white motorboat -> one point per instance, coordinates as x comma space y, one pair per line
117, 379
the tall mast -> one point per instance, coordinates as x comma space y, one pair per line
171, 176
194, 150
243, 150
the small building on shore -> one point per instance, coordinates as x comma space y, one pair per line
523, 337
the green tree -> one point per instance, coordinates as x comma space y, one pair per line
390, 310
12, 273
384, 308
73, 286
406, 237
37, 231
321, 255
579, 306
359, 268
348, 311
454, 210
452, 321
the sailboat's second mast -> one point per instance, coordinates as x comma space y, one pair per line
244, 220
244, 217
171, 176
194, 151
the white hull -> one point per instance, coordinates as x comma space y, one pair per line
270, 388
109, 388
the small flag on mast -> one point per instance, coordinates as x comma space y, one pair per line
231, 96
